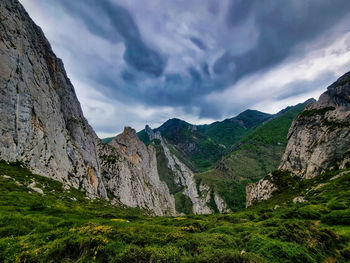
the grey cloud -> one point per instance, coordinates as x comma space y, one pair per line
178, 52
110, 20
282, 27
199, 43
299, 87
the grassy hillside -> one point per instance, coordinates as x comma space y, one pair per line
203, 145
231, 131
63, 226
258, 154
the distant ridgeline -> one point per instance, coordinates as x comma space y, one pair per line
228, 155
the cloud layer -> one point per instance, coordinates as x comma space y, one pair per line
136, 62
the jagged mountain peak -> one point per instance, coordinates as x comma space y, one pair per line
337, 94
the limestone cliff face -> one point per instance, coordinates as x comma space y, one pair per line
183, 177
318, 140
129, 170
262, 190
41, 122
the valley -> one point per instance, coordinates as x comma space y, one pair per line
252, 188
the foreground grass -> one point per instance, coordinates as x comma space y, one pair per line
63, 226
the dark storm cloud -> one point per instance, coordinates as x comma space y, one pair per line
282, 25
199, 43
113, 22
181, 54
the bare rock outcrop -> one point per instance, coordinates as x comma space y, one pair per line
262, 190
43, 126
318, 140
129, 170
41, 121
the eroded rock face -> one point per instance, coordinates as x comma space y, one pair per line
130, 174
319, 139
41, 121
183, 177
262, 190
42, 124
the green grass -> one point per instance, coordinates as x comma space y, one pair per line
55, 228
315, 112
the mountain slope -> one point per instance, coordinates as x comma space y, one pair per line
259, 153
201, 146
319, 139
41, 121
42, 124
231, 131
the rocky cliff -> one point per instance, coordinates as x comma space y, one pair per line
130, 174
182, 179
42, 124
318, 140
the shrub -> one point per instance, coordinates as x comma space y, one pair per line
309, 212
338, 217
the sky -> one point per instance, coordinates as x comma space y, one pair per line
138, 62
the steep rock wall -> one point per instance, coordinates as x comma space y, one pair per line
318, 140
42, 124
201, 195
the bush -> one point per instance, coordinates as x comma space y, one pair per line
278, 251
338, 217
309, 212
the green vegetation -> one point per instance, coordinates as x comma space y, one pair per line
314, 112
231, 131
143, 136
64, 226
183, 203
201, 146
259, 153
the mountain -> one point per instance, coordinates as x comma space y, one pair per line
318, 141
43, 127
107, 140
257, 154
41, 122
66, 196
201, 146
